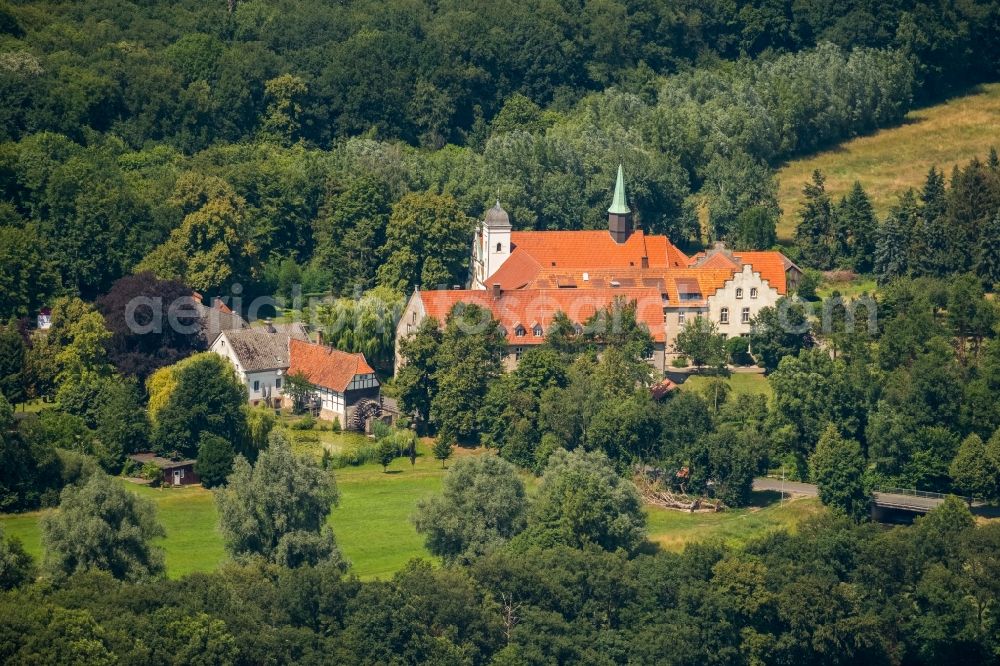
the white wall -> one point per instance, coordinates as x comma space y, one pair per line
266, 381
413, 314
486, 259
726, 297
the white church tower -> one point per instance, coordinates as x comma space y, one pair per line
492, 246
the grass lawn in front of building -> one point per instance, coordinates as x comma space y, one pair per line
739, 382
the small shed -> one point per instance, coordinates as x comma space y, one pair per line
175, 472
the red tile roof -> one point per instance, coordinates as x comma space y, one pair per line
770, 265
593, 249
696, 284
515, 273
529, 307
720, 260
325, 366
661, 389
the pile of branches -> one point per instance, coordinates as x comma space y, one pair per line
654, 492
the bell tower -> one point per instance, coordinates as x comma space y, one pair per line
492, 246
619, 215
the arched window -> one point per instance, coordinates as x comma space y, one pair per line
739, 292
753, 292
499, 247
724, 316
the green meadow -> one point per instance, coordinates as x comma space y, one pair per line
373, 526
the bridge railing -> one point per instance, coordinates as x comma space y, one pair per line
913, 492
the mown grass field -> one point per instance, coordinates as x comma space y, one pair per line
739, 382
372, 522
890, 161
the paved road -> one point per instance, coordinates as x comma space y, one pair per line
885, 500
790, 487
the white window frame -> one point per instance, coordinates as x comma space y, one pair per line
745, 316
724, 316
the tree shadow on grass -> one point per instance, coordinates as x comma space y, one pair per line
764, 498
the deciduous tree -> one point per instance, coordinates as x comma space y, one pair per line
102, 526
700, 341
427, 243
277, 509
481, 506
582, 501
837, 466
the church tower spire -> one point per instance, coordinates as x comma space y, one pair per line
619, 215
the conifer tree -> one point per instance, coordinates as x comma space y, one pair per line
816, 224
892, 247
972, 202
857, 217
988, 252
931, 247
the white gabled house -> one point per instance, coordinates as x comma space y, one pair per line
260, 358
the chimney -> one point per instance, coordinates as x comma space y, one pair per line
496, 291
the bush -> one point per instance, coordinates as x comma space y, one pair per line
335, 426
680, 362
736, 350
151, 473
808, 285
381, 429
215, 460
307, 422
387, 452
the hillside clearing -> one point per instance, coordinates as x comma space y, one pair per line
890, 161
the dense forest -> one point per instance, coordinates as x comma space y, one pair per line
151, 135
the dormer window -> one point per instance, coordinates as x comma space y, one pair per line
739, 292
753, 292
519, 331
537, 330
